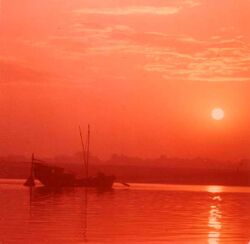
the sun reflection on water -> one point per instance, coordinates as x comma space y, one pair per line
214, 189
214, 220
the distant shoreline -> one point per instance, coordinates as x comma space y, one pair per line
162, 170
234, 182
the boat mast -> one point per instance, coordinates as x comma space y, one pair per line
32, 165
83, 152
87, 160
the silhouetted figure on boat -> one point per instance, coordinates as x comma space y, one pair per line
30, 180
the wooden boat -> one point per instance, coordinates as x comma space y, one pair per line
53, 176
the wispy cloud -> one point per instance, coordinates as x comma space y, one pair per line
210, 65
130, 10
13, 70
188, 39
213, 59
164, 51
169, 8
191, 3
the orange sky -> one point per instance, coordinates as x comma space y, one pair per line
144, 74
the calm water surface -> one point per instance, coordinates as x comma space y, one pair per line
143, 213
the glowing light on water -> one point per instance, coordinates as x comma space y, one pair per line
214, 221
214, 189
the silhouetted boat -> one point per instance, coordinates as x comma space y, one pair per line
54, 176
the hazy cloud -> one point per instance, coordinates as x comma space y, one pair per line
130, 10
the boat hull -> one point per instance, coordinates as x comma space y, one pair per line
52, 176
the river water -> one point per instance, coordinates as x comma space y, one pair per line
142, 213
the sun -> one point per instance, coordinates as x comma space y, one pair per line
218, 114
